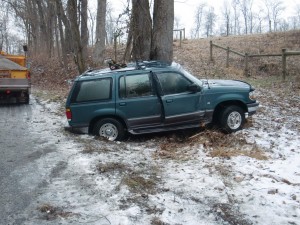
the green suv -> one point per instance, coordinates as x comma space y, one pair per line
151, 97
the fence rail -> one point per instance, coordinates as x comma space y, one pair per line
181, 32
284, 54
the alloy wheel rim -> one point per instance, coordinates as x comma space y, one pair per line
234, 120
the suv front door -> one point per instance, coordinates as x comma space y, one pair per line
181, 106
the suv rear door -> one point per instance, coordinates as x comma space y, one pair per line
91, 98
137, 101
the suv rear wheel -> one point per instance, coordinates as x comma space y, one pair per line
232, 119
109, 128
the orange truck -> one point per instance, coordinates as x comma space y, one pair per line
14, 79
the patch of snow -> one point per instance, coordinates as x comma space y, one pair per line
191, 191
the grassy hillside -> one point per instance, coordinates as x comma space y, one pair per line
194, 56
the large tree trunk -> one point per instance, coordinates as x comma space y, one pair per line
76, 40
65, 37
60, 14
84, 28
51, 20
128, 49
99, 49
43, 34
141, 29
163, 22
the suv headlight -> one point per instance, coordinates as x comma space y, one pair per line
252, 96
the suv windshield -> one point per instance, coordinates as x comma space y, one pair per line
191, 77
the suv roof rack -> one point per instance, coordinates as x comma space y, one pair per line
153, 63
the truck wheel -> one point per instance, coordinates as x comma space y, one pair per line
109, 128
232, 119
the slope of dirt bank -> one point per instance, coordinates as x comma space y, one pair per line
194, 56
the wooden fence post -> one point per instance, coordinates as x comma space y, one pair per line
180, 38
227, 58
246, 70
211, 50
283, 63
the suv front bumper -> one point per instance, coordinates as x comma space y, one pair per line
252, 107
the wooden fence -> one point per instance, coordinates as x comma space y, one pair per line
181, 35
284, 54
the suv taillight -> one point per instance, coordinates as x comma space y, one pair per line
69, 114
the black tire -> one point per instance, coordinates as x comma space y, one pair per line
110, 128
232, 119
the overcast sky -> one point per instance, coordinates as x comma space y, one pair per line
185, 9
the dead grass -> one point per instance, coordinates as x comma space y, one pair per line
157, 221
215, 144
139, 184
176, 147
113, 167
254, 153
222, 145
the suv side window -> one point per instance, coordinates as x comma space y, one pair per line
93, 90
135, 86
173, 83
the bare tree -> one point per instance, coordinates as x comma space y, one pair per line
227, 15
274, 9
84, 27
110, 24
163, 23
3, 25
76, 40
141, 24
210, 20
149, 40
236, 29
246, 9
297, 8
100, 33
260, 17
198, 19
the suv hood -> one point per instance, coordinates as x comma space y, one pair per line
226, 84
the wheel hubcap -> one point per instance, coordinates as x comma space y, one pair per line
109, 131
234, 120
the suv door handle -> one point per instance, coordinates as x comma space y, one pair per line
169, 100
122, 103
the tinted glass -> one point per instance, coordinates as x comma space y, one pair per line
173, 83
135, 86
94, 90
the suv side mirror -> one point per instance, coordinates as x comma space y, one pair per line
194, 88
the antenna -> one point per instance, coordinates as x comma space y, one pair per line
205, 72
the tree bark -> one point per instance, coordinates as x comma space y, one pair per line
162, 39
99, 49
84, 28
141, 25
76, 40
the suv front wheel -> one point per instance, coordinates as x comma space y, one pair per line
109, 128
232, 119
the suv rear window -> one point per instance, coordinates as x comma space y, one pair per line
135, 86
92, 90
